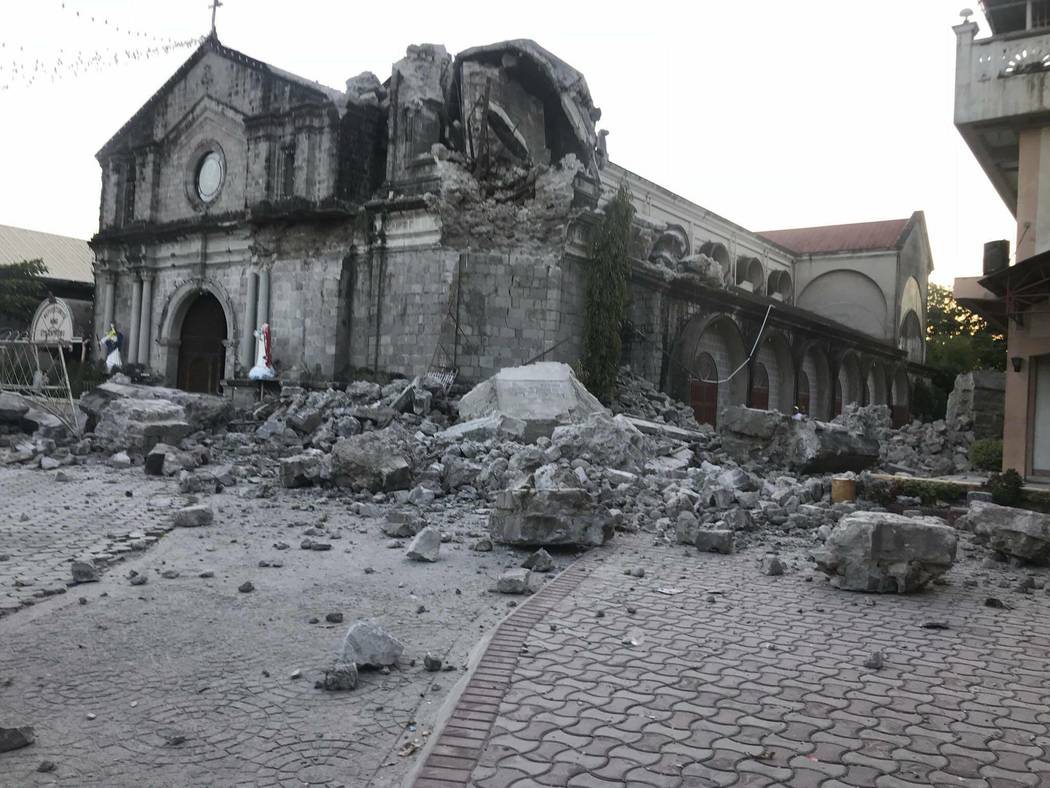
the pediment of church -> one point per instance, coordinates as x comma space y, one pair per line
222, 80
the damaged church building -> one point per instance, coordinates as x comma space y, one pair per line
439, 220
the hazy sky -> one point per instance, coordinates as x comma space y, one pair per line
773, 114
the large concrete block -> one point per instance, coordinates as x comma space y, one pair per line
887, 553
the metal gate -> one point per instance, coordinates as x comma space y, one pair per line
36, 372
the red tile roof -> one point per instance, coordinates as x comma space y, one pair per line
859, 237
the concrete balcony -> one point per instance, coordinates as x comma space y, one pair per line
1002, 86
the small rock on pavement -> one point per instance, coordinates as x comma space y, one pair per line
483, 545
540, 561
367, 643
194, 516
874, 660
46, 766
246, 587
513, 581
426, 545
431, 663
85, 571
16, 738
341, 677
334, 618
716, 540
772, 566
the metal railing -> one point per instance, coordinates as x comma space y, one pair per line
37, 373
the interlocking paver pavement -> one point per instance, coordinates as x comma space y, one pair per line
188, 682
45, 523
747, 680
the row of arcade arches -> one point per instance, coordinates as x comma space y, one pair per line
818, 380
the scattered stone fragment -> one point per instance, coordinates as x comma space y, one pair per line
46, 767
367, 643
296, 674
85, 570
874, 660
341, 677
638, 572
137, 579
513, 581
426, 545
714, 540
170, 574
540, 561
772, 566
431, 663
207, 573
334, 618
935, 625
311, 544
194, 516
996, 603
246, 587
483, 545
16, 738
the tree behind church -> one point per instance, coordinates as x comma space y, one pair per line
957, 341
20, 292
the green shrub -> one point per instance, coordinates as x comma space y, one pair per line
987, 454
1006, 487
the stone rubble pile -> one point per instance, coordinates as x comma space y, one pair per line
637, 396
548, 467
918, 448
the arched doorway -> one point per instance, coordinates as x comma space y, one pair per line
202, 354
760, 386
836, 403
703, 393
803, 392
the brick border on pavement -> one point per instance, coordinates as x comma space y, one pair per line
452, 759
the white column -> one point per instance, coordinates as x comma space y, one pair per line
146, 319
263, 313
133, 322
251, 304
107, 308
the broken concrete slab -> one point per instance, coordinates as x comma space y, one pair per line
16, 738
887, 553
1018, 533
496, 425
12, 408
542, 395
714, 540
367, 644
199, 411
535, 518
193, 516
513, 581
804, 445
303, 470
140, 424
425, 546
373, 461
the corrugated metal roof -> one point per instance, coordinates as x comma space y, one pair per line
858, 237
66, 258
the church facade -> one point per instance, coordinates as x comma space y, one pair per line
439, 219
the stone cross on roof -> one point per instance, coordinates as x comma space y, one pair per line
215, 5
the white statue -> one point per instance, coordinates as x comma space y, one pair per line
111, 345
263, 369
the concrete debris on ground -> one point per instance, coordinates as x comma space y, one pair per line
544, 461
542, 395
16, 738
887, 553
367, 644
1015, 533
